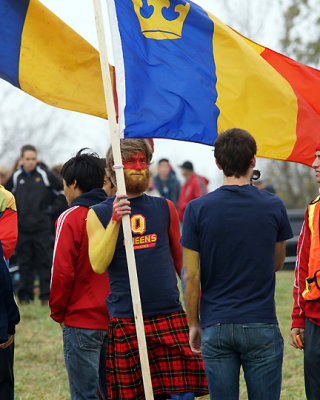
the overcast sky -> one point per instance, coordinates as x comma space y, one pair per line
258, 18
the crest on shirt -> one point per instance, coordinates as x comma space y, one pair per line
138, 227
138, 224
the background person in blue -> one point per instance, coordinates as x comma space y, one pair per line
238, 234
166, 181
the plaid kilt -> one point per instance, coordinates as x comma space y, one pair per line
174, 368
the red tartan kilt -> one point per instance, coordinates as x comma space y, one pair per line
174, 368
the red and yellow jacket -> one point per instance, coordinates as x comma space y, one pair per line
307, 296
9, 222
9, 313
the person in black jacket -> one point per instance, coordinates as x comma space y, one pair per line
38, 193
9, 317
9, 313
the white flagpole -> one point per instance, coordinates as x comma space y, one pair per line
115, 142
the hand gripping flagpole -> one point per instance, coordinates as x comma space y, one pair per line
115, 142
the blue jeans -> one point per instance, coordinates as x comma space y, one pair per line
258, 347
85, 359
311, 360
184, 396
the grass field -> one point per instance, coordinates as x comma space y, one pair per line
39, 367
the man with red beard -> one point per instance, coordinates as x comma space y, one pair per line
175, 370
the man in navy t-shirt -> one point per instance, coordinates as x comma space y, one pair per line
237, 234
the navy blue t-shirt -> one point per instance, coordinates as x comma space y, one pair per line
150, 222
235, 229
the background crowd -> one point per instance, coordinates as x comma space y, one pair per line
41, 197
40, 200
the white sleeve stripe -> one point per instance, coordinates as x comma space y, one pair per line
44, 176
60, 223
15, 179
58, 192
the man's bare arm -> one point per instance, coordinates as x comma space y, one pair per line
192, 280
279, 255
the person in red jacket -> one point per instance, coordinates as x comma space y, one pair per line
194, 187
77, 296
305, 330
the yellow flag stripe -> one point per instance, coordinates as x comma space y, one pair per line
252, 94
57, 65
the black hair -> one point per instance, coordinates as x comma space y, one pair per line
27, 147
111, 183
234, 150
163, 160
86, 169
103, 162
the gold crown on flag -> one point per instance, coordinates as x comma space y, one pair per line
156, 26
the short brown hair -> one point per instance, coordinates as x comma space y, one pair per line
128, 148
27, 147
234, 150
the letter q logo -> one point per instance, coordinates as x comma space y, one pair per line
138, 224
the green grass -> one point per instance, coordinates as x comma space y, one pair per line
39, 367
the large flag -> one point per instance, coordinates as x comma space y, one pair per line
44, 57
182, 74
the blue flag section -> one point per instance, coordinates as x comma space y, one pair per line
12, 16
167, 74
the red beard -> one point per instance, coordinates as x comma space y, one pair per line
136, 185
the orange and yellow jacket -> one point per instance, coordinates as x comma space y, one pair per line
8, 222
306, 290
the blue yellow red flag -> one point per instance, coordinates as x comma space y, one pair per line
44, 57
183, 74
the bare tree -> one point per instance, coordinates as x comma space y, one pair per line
243, 14
23, 120
293, 182
301, 36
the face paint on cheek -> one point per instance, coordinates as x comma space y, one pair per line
136, 181
136, 174
136, 162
